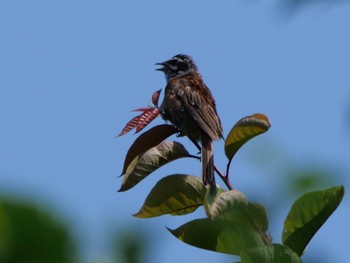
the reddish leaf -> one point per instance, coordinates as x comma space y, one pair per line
143, 109
146, 118
130, 125
155, 97
147, 140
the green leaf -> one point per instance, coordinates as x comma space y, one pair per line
229, 233
31, 234
149, 161
258, 214
307, 215
274, 253
175, 194
244, 130
148, 140
224, 201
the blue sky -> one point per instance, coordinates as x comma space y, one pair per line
71, 71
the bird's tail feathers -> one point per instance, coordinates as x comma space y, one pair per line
207, 161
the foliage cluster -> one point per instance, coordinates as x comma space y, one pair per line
233, 224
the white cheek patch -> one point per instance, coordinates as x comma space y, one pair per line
173, 67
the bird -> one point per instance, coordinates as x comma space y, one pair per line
190, 106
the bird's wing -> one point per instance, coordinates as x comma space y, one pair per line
199, 103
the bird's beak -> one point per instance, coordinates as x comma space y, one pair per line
161, 64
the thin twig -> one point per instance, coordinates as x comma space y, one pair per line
224, 178
228, 168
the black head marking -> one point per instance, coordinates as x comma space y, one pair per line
177, 65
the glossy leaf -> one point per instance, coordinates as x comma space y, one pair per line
147, 162
229, 233
147, 140
244, 130
274, 253
307, 215
176, 194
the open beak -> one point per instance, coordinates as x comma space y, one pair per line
161, 64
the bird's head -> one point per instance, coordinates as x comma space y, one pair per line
178, 65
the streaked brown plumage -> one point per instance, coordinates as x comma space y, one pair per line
190, 106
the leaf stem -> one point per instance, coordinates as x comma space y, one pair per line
224, 178
228, 168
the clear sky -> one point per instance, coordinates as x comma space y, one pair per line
71, 71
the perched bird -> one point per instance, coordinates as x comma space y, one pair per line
190, 106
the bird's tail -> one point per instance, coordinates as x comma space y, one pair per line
208, 161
